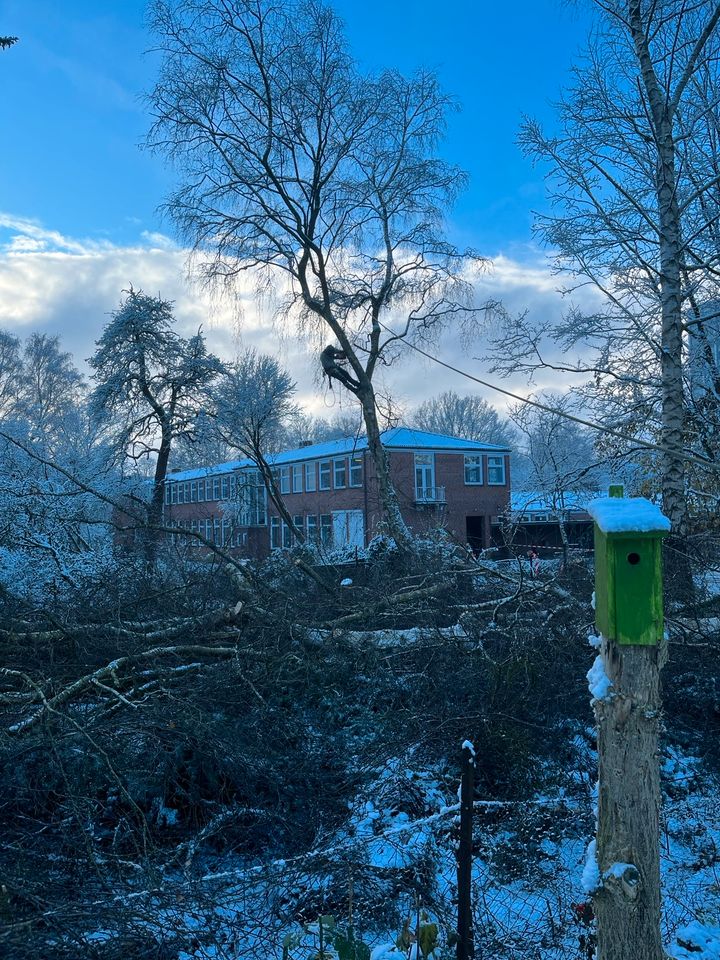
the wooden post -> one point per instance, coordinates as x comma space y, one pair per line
625, 683
465, 947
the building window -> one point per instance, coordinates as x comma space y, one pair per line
496, 470
193, 491
312, 529
274, 533
340, 469
424, 476
299, 524
216, 488
174, 493
473, 469
326, 530
284, 479
297, 472
324, 474
310, 485
225, 488
167, 494
286, 537
356, 471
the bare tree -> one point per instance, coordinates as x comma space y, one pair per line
253, 402
296, 166
50, 391
151, 384
633, 178
556, 458
10, 373
469, 417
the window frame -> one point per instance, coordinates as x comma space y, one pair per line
467, 467
299, 523
325, 472
356, 464
284, 480
501, 458
297, 475
326, 528
275, 539
424, 466
340, 462
311, 477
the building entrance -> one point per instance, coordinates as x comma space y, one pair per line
475, 531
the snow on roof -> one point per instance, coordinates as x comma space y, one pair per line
201, 472
627, 515
534, 501
398, 438
402, 437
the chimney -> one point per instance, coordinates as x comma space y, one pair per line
305, 443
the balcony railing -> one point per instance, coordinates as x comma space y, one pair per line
430, 495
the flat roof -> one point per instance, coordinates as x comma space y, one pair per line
397, 438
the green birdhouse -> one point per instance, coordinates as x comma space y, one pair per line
628, 569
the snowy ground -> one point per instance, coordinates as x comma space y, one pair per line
392, 866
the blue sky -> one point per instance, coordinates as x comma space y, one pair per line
71, 169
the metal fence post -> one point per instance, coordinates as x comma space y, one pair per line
465, 947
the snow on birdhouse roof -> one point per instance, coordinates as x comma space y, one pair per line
628, 515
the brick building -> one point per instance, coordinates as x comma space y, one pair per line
330, 490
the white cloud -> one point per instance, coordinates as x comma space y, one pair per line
63, 285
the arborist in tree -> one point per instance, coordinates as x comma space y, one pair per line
330, 359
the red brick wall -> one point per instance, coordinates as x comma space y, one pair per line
462, 500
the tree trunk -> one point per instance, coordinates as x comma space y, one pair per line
157, 500
627, 904
397, 528
678, 571
273, 493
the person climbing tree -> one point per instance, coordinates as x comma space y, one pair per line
330, 359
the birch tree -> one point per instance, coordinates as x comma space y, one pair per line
253, 402
297, 167
633, 179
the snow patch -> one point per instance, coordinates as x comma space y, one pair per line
618, 870
590, 879
599, 683
696, 941
631, 515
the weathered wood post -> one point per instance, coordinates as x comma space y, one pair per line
465, 946
625, 683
